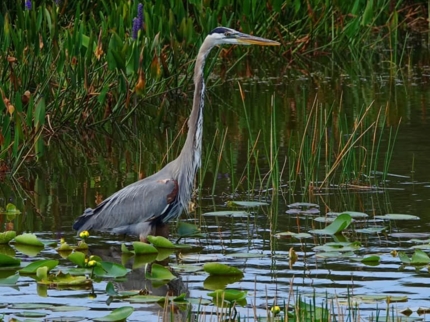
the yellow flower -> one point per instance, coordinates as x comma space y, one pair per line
92, 263
275, 310
84, 234
62, 240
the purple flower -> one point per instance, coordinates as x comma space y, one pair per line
28, 5
57, 2
140, 15
136, 28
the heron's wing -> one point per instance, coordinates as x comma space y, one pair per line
143, 201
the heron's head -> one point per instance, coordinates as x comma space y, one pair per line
223, 35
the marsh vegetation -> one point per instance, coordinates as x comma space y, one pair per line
96, 96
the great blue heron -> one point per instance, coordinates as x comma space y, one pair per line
143, 208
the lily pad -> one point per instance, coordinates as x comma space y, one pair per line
8, 261
31, 306
214, 282
143, 248
29, 239
146, 299
398, 217
303, 205
371, 230
69, 308
226, 298
289, 234
30, 314
77, 258
304, 212
246, 255
29, 250
119, 314
338, 247
32, 267
111, 291
371, 259
162, 242
7, 236
159, 272
186, 268
418, 258
108, 269
326, 220
228, 213
10, 280
141, 260
185, 229
353, 214
341, 223
62, 280
221, 269
248, 204
200, 257
334, 254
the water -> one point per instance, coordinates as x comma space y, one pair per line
79, 168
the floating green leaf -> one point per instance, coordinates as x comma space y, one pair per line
7, 236
227, 213
108, 269
248, 204
29, 239
77, 258
334, 254
119, 314
353, 214
185, 229
221, 269
159, 272
186, 268
144, 248
8, 261
246, 255
140, 260
160, 242
10, 280
371, 259
32, 268
31, 306
29, 250
398, 217
30, 314
145, 299
289, 234
65, 280
338, 247
220, 297
125, 250
111, 291
214, 282
418, 258
371, 230
68, 308
341, 223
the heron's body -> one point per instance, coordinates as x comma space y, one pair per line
143, 208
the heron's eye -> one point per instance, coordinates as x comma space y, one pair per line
227, 34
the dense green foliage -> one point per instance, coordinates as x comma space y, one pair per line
70, 64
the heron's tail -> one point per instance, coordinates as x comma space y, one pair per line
79, 224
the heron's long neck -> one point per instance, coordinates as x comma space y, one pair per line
190, 157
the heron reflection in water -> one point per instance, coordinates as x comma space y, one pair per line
145, 207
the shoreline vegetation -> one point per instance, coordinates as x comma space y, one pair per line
69, 66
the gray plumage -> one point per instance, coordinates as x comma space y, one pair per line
145, 206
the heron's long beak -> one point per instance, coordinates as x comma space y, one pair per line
245, 39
